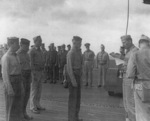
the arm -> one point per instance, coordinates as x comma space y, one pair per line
96, 61
31, 55
107, 61
5, 75
93, 56
70, 70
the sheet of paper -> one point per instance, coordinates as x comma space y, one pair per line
119, 61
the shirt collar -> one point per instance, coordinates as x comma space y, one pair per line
21, 51
75, 49
12, 53
37, 48
133, 46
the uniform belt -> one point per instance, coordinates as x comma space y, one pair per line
15, 75
102, 63
26, 71
87, 61
76, 69
143, 79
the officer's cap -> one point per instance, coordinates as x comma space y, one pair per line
87, 44
77, 38
25, 41
37, 38
11, 40
126, 37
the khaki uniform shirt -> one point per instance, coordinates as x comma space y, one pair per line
139, 64
88, 55
10, 66
127, 56
36, 59
24, 59
74, 62
102, 58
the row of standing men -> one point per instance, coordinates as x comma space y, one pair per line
23, 68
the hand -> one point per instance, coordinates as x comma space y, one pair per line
10, 92
74, 84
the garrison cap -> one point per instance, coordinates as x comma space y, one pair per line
76, 38
52, 44
25, 41
126, 37
37, 38
102, 45
11, 40
143, 37
87, 44
69, 45
63, 45
43, 44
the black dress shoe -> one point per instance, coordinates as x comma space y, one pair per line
35, 111
80, 120
99, 86
86, 84
41, 108
28, 117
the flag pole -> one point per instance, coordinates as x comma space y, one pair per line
128, 10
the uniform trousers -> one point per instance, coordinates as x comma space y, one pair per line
26, 74
36, 89
142, 109
14, 103
51, 73
88, 69
74, 97
128, 98
102, 72
61, 77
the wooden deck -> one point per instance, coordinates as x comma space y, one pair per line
96, 105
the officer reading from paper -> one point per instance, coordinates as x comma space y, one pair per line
127, 90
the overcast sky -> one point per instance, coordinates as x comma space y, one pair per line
96, 21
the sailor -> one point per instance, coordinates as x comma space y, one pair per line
45, 77
51, 61
37, 67
102, 63
11, 74
88, 60
74, 70
62, 61
69, 47
26, 73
